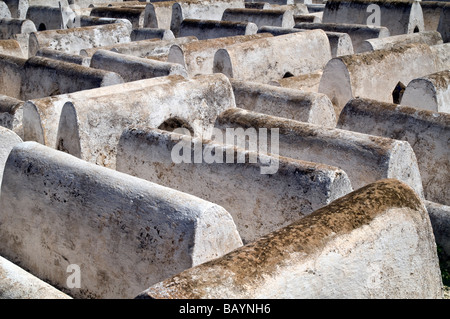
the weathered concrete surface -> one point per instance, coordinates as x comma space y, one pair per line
8, 139
365, 158
375, 74
427, 37
310, 18
292, 104
12, 48
132, 68
277, 18
348, 249
143, 48
134, 15
75, 39
297, 53
45, 77
427, 132
11, 27
18, 8
305, 82
123, 232
41, 116
211, 29
11, 75
62, 56
440, 220
200, 9
16, 283
357, 32
86, 21
444, 22
4, 11
151, 33
50, 18
158, 14
259, 203
90, 128
442, 52
340, 43
11, 114
399, 17
17, 29
198, 56
50, 3
431, 92
432, 11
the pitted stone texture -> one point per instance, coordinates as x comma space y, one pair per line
16, 283
123, 232
427, 132
259, 202
365, 158
348, 249
431, 92
296, 54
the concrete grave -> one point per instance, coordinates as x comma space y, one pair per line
87, 21
75, 39
62, 56
11, 114
11, 75
442, 52
427, 37
132, 68
432, 11
46, 77
11, 47
291, 104
278, 18
17, 283
122, 232
440, 220
444, 22
198, 56
50, 3
375, 74
259, 203
19, 30
340, 43
431, 92
200, 9
400, 17
42, 116
4, 11
427, 132
309, 18
8, 139
151, 33
357, 32
51, 18
142, 48
18, 8
89, 125
365, 158
158, 14
352, 245
305, 82
134, 15
211, 29
253, 61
